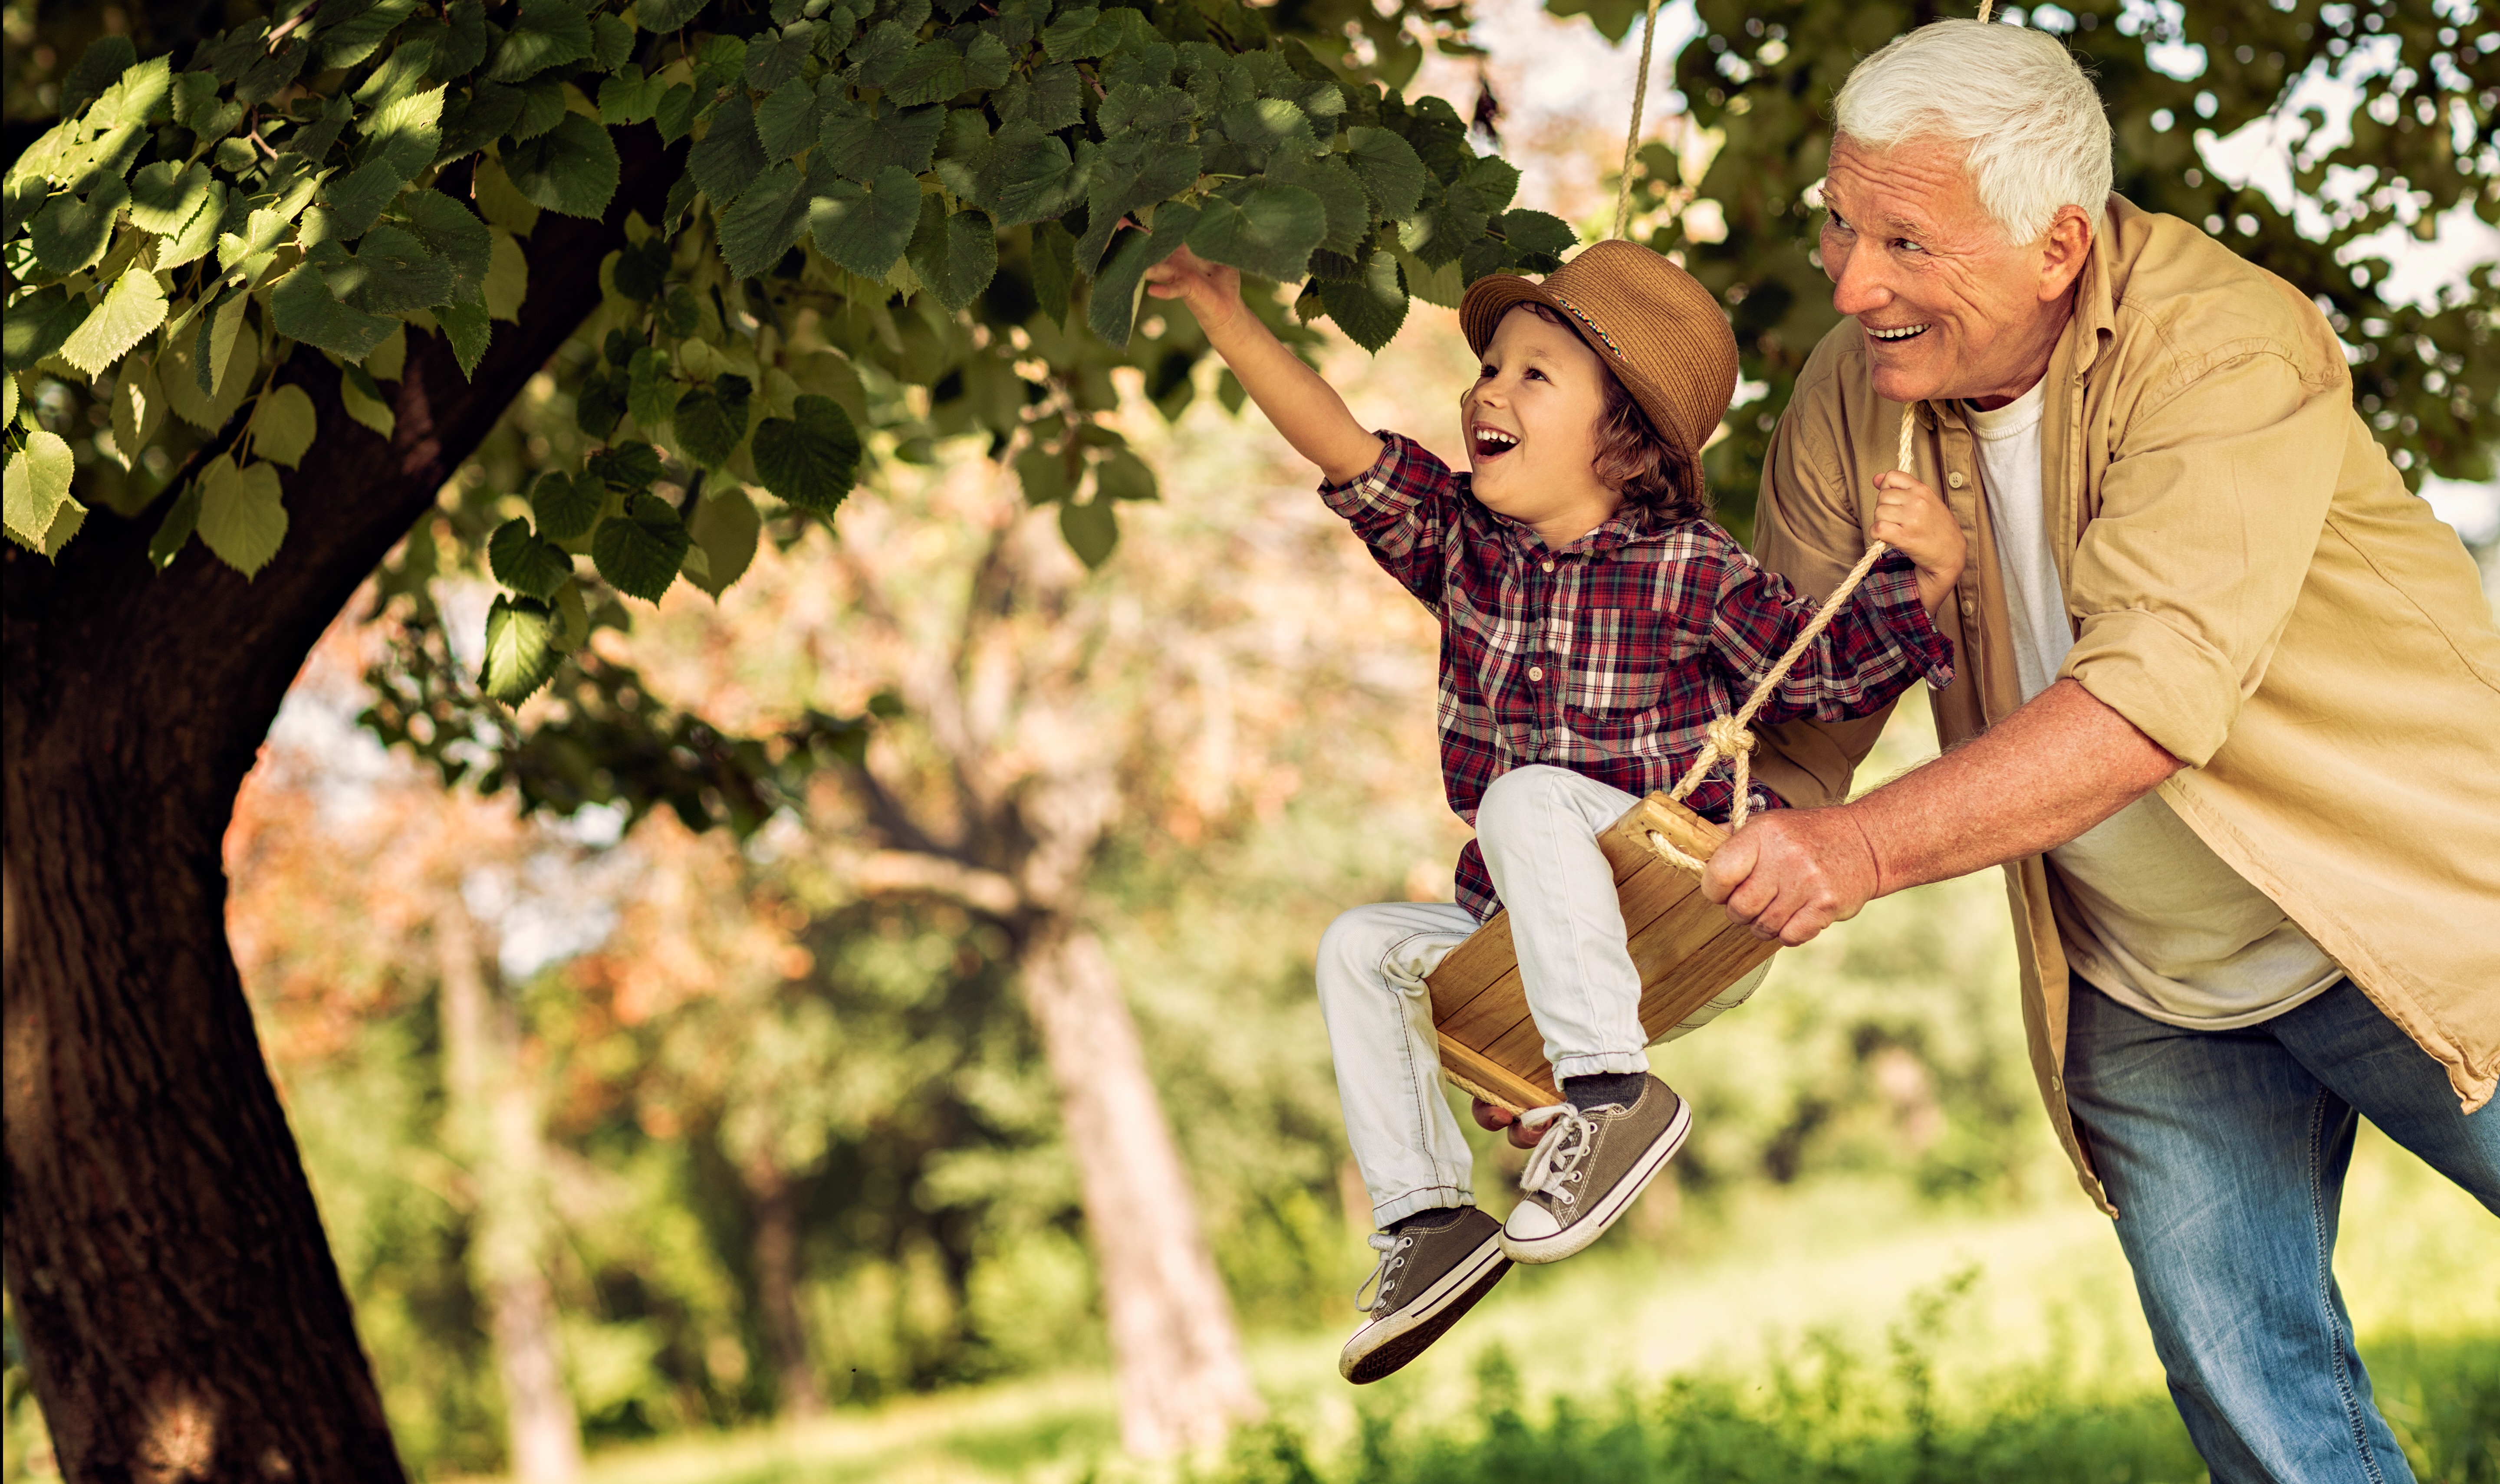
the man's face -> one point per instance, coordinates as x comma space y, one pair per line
1530, 422
1950, 308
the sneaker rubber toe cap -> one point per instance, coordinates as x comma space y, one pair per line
1530, 1222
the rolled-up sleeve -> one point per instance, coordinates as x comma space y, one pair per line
1405, 508
2210, 513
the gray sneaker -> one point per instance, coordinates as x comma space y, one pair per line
1426, 1280
1588, 1170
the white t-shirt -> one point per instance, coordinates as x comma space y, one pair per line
2149, 913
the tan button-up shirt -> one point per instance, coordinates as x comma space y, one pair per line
2250, 585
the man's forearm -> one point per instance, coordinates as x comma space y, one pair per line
2053, 770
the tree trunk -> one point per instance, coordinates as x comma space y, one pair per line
495, 1130
777, 1287
1181, 1376
166, 1264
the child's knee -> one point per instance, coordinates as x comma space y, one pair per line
1522, 795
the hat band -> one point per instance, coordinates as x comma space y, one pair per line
1593, 329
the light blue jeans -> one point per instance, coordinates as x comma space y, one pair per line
1538, 829
2224, 1152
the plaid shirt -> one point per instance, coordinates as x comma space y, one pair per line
1611, 655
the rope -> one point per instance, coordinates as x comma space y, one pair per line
1632, 135
1727, 736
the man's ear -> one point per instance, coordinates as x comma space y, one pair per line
2065, 252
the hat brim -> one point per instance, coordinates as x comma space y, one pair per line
1495, 294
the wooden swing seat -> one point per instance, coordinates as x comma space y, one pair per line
1682, 942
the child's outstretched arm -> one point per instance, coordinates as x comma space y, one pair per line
1909, 516
1304, 408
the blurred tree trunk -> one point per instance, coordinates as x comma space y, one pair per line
493, 1128
776, 1284
167, 1269
1182, 1379
1010, 830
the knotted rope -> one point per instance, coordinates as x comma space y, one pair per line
1728, 737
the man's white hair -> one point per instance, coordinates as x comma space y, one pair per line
2037, 136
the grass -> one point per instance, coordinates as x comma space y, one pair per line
1838, 1333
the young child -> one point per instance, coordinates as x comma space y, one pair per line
1593, 622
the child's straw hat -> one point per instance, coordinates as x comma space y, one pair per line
1657, 329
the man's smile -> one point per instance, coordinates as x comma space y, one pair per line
1896, 333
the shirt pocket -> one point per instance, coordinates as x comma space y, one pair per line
1617, 676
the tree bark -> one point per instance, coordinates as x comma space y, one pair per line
495, 1130
183, 1319
1182, 1379
777, 1287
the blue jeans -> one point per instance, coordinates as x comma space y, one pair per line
2224, 1152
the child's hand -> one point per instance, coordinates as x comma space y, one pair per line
1211, 290
1494, 1117
1909, 517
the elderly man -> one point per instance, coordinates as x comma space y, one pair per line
2229, 715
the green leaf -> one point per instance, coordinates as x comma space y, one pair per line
627, 466
986, 61
1053, 99
1270, 232
303, 307
105, 59
72, 231
134, 306
393, 271
955, 255
627, 97
674, 114
811, 458
668, 14
866, 228
1120, 474
174, 532
650, 393
500, 201
1077, 34
785, 121
356, 33
711, 421
525, 562
165, 196
37, 324
730, 155
611, 41
1113, 307
141, 95
1028, 176
725, 528
138, 408
639, 553
467, 328
364, 401
1370, 308
1054, 269
197, 236
1122, 187
37, 482
1331, 179
179, 369
542, 108
488, 113
568, 506
398, 140
1392, 173
548, 33
282, 426
933, 73
571, 170
507, 279
1267, 129
1091, 529
766, 220
452, 233
240, 517
774, 59
1538, 240
523, 649
862, 147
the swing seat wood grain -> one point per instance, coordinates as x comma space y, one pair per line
1682, 942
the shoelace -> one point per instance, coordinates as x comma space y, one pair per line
1554, 1167
1391, 1249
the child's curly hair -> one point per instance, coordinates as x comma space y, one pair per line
1631, 456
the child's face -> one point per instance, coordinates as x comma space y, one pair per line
1531, 423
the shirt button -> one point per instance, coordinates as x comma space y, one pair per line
1549, 566
1536, 672
1954, 479
1968, 607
